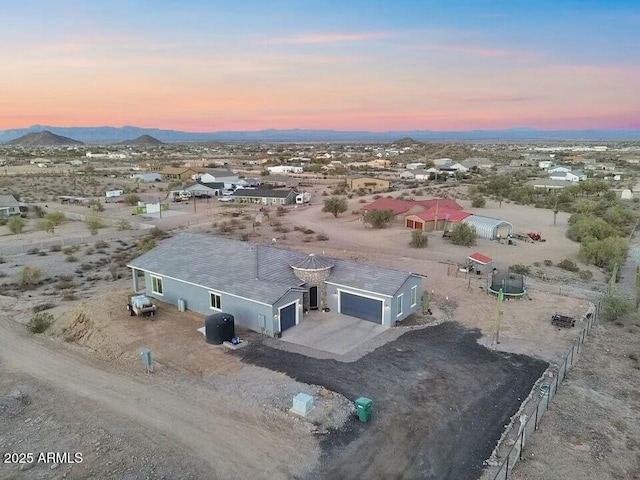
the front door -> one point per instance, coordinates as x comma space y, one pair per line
313, 298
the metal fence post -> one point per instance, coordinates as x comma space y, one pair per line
524, 429
535, 425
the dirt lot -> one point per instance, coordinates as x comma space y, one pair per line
466, 395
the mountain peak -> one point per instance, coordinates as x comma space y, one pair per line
45, 138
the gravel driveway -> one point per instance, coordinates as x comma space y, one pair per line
441, 402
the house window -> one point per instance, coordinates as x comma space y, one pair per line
156, 285
399, 312
215, 301
414, 295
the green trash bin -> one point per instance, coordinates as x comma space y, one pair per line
363, 408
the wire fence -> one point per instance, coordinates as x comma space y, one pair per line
546, 391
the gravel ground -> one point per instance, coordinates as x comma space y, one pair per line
441, 402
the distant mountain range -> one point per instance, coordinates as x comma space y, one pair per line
143, 141
124, 134
43, 139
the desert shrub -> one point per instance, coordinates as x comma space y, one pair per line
463, 234
244, 237
583, 227
42, 253
131, 199
29, 277
101, 244
377, 196
325, 193
378, 218
65, 283
123, 224
94, 223
615, 308
520, 269
90, 251
537, 264
33, 251
362, 200
548, 263
322, 237
585, 274
281, 211
478, 201
604, 253
56, 218
69, 295
568, 265
335, 206
146, 243
16, 225
40, 322
71, 259
42, 307
87, 266
55, 248
419, 239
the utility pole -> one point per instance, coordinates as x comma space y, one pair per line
160, 206
194, 203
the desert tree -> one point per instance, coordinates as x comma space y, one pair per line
378, 218
335, 206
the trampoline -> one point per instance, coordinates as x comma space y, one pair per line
512, 284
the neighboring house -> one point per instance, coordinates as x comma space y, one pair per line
477, 162
370, 184
286, 169
265, 196
558, 169
147, 177
201, 189
409, 174
605, 167
576, 176
442, 162
9, 206
215, 176
416, 166
458, 167
545, 164
249, 182
179, 173
548, 184
268, 289
403, 208
523, 162
435, 218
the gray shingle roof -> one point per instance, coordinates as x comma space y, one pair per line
259, 272
8, 201
261, 192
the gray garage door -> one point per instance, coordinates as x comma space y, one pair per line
288, 317
361, 307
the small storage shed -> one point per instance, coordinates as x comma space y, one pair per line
489, 228
481, 263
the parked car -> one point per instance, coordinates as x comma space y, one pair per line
225, 199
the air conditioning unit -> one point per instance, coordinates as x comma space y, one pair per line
182, 305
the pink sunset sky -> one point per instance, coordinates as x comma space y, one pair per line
201, 69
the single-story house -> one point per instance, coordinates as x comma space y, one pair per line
249, 182
179, 173
575, 176
477, 162
214, 176
522, 162
268, 289
9, 206
545, 164
147, 177
442, 162
403, 208
286, 169
370, 184
265, 196
558, 169
434, 219
408, 174
489, 228
416, 166
200, 189
548, 184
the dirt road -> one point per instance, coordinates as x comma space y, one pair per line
235, 443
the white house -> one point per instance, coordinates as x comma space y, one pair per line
477, 162
409, 174
558, 169
286, 169
216, 176
576, 176
9, 206
545, 164
458, 167
442, 162
415, 166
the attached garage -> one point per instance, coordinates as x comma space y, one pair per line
415, 224
365, 308
288, 316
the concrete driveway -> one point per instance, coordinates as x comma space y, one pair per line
332, 332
